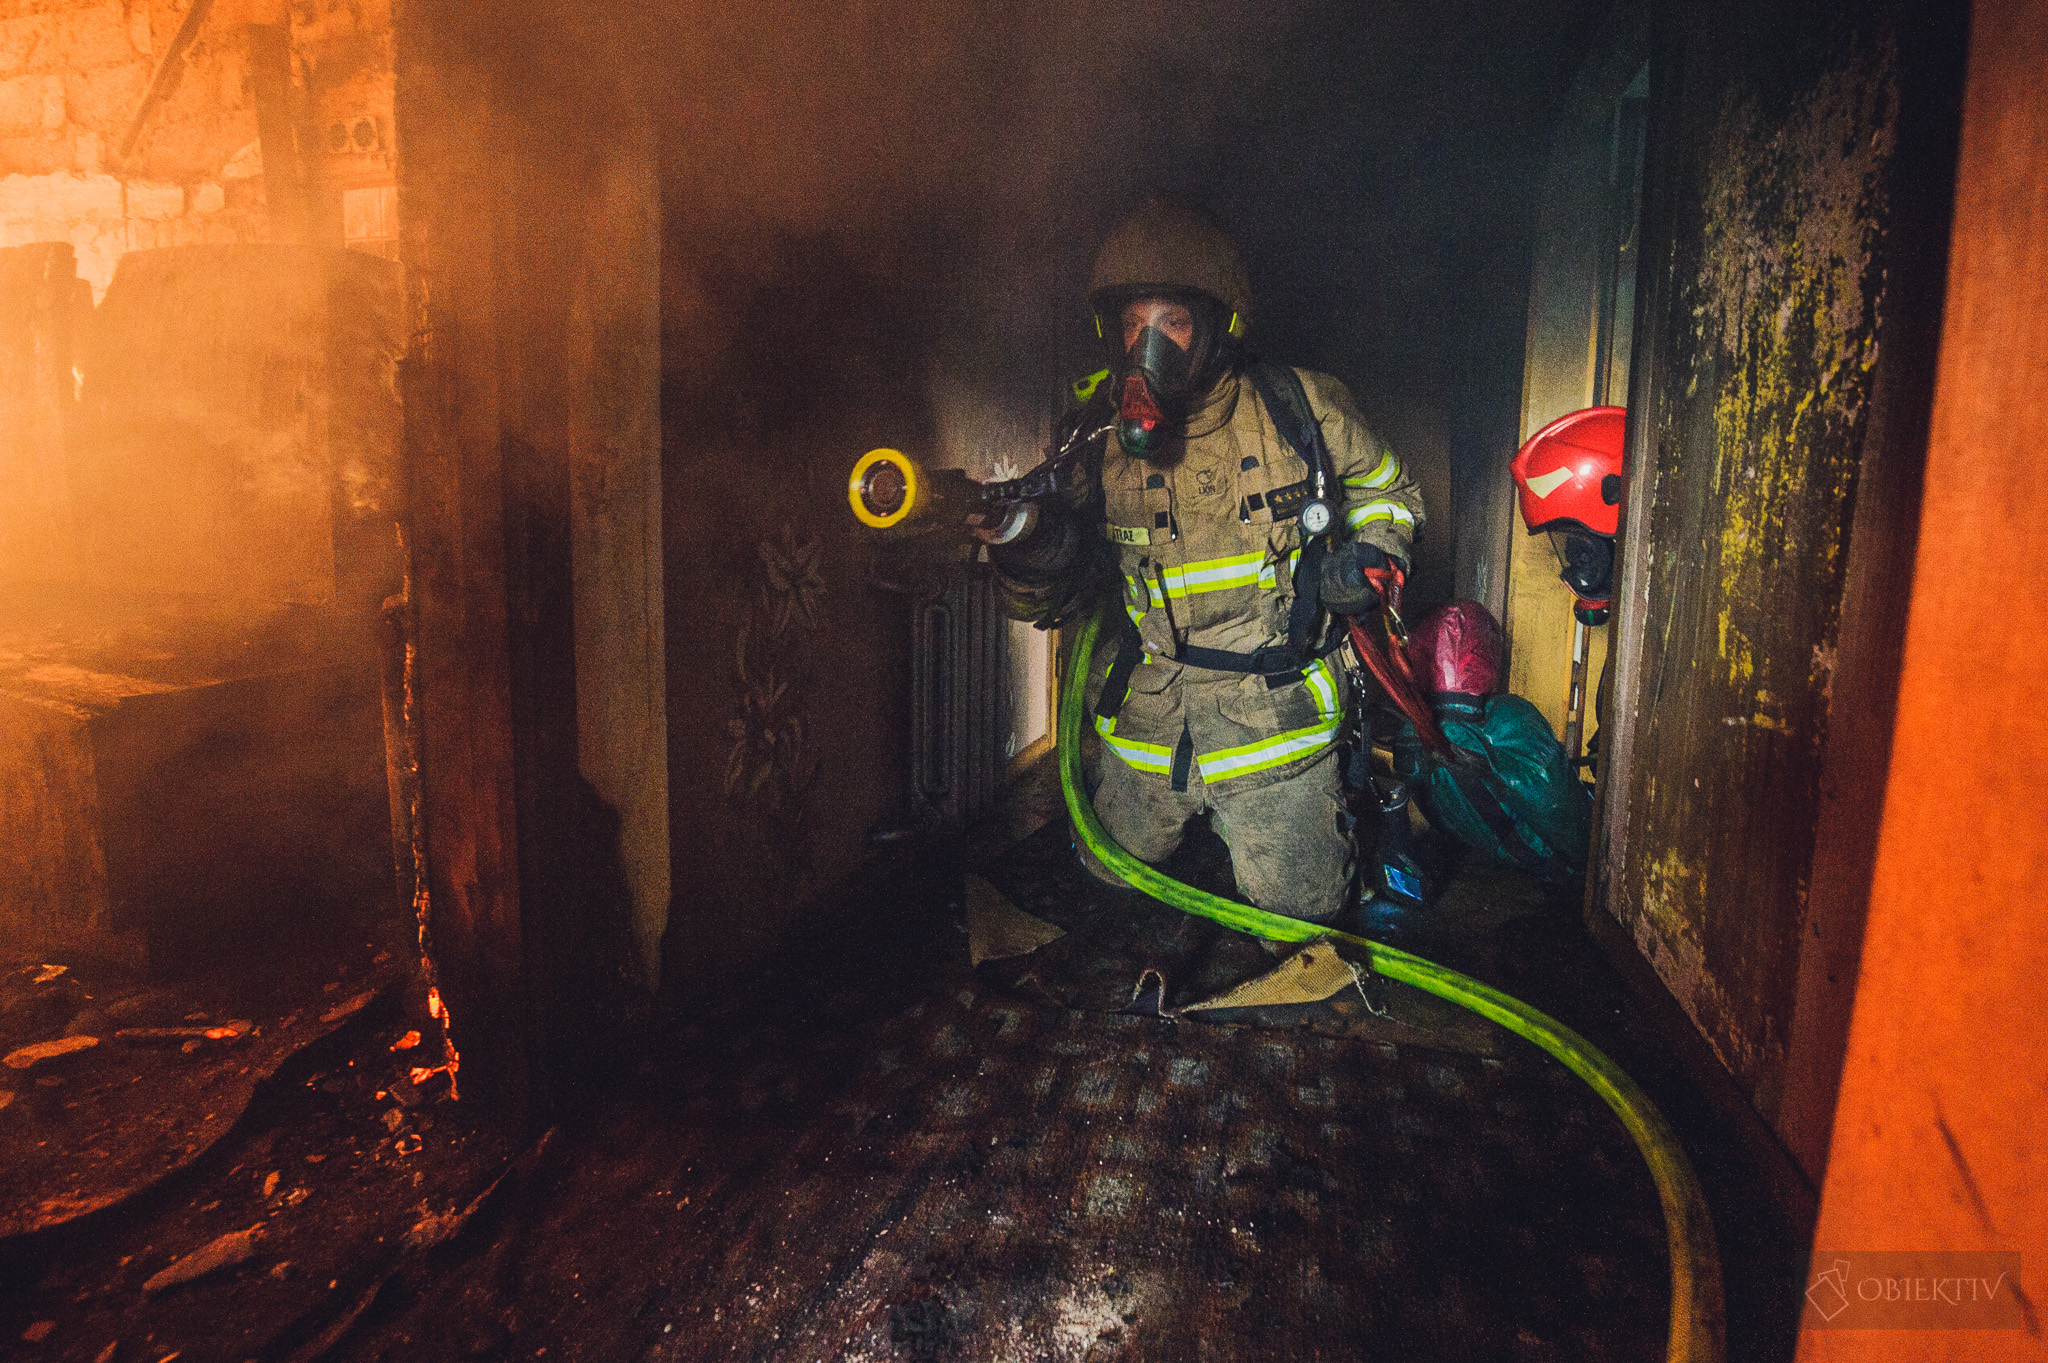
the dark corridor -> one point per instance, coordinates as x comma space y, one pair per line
469, 395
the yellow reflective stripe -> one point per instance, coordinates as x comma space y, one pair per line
1324, 683
1382, 476
1358, 517
1267, 577
1267, 752
1135, 611
1142, 756
1214, 575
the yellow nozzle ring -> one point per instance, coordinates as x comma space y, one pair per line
857, 484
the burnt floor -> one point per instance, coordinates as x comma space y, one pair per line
876, 1151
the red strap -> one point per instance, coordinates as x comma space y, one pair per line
1390, 668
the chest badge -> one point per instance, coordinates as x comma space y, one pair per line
1205, 482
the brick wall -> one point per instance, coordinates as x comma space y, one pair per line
74, 73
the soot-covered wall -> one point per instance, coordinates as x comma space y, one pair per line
880, 217
1798, 170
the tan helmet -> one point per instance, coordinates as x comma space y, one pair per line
1165, 248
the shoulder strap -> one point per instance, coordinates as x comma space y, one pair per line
1279, 387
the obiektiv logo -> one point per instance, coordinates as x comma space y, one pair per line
1916, 1290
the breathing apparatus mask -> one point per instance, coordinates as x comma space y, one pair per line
1586, 565
1158, 379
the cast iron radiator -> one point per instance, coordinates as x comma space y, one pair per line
959, 640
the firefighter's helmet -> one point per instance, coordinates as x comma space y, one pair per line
1568, 475
1178, 256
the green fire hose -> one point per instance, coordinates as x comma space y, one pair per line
1696, 1334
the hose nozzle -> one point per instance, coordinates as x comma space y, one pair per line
885, 488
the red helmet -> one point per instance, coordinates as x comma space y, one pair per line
1569, 473
1456, 648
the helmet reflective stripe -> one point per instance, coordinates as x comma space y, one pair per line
1267, 752
1358, 517
1382, 476
1141, 756
1543, 484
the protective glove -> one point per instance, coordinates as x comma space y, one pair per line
1358, 577
1047, 548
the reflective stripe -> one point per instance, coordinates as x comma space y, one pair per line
1142, 756
1382, 476
1267, 752
1084, 389
1126, 534
1214, 575
1358, 517
1324, 683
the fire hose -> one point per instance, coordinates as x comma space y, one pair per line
1696, 1332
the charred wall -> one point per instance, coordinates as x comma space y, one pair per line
1799, 168
531, 445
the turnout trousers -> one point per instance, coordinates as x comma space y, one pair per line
1290, 846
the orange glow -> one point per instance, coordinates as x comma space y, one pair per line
406, 1042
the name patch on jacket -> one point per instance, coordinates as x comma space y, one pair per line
1127, 534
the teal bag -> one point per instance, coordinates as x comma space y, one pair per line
1511, 795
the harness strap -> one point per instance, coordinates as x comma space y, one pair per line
1395, 679
1279, 387
1116, 686
1279, 664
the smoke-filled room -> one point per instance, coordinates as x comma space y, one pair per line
1245, 681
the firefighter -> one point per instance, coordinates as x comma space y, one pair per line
1232, 509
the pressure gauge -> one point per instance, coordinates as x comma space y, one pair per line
1317, 517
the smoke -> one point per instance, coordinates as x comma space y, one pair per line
968, 155
1376, 163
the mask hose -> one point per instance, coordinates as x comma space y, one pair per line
1697, 1308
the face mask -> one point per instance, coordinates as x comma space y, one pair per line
1586, 563
1157, 388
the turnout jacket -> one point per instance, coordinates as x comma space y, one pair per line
1202, 551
